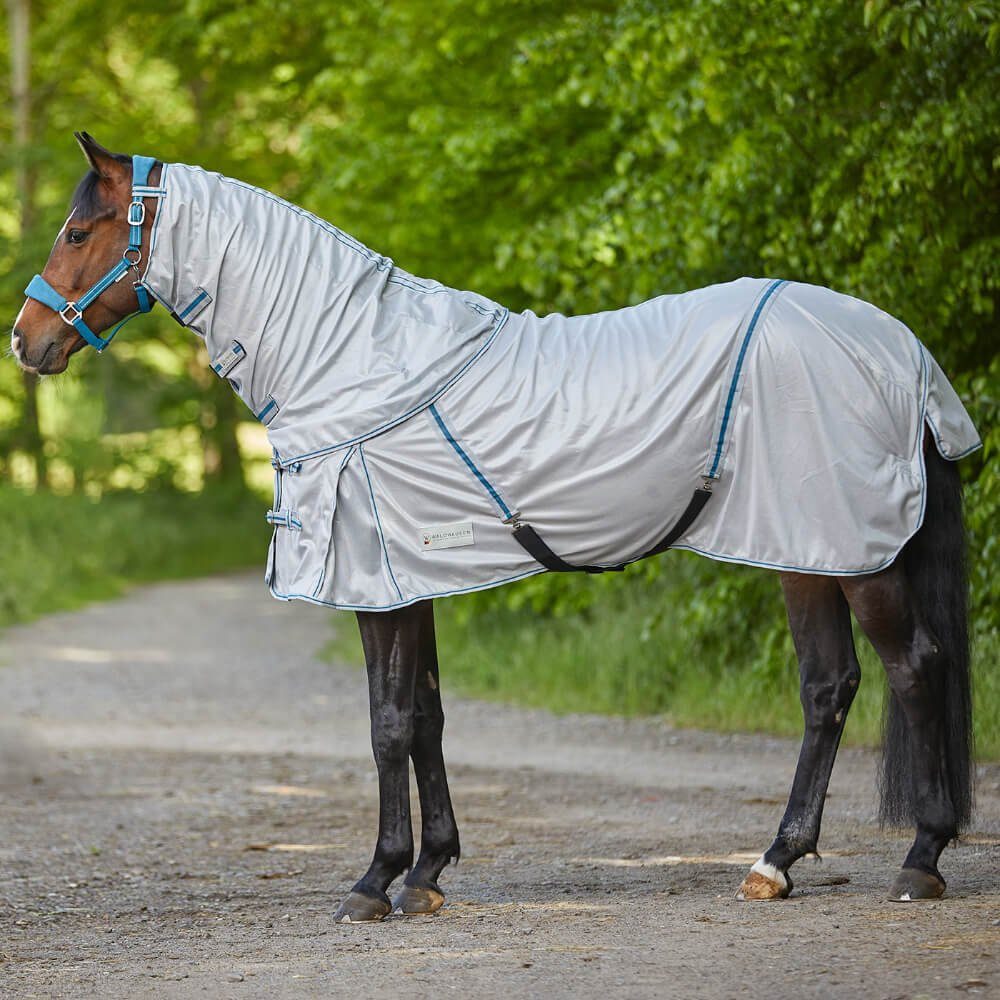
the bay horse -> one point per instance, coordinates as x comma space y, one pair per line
913, 607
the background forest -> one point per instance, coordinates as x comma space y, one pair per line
556, 156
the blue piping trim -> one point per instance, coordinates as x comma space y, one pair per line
322, 576
322, 224
345, 460
962, 454
449, 437
378, 522
409, 600
718, 557
939, 442
399, 280
500, 324
774, 286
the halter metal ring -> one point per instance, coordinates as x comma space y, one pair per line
128, 260
64, 313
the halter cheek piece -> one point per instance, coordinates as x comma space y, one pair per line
71, 313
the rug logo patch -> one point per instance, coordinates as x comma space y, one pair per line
447, 536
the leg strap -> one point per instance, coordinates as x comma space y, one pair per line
535, 546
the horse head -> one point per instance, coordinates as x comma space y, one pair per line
80, 294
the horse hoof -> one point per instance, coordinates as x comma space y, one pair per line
361, 909
912, 884
764, 882
415, 900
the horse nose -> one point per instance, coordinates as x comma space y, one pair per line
15, 342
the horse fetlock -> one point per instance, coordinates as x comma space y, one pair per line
387, 866
428, 868
797, 838
764, 881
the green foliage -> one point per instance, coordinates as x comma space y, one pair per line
584, 157
562, 156
61, 552
646, 650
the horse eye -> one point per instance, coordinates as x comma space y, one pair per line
76, 235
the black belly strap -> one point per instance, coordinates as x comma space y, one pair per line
535, 546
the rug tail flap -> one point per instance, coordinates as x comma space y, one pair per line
954, 432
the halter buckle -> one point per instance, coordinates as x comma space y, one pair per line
136, 213
64, 314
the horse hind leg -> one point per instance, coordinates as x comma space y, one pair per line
915, 614
915, 780
820, 623
439, 843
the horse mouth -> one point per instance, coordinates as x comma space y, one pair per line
52, 362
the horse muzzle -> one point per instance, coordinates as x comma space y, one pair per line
47, 357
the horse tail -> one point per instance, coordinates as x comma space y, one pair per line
934, 560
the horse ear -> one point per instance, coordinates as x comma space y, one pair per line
102, 161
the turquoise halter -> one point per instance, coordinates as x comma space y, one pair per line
71, 313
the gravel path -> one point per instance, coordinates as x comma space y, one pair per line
187, 792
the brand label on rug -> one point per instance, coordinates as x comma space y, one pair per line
447, 536
229, 360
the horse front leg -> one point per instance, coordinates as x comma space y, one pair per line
391, 645
439, 842
820, 621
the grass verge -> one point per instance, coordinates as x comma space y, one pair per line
650, 648
61, 552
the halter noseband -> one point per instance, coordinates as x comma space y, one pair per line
71, 313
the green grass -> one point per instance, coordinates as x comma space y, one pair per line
649, 648
60, 552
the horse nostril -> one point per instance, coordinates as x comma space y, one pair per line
15, 343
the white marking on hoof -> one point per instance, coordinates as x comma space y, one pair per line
346, 918
772, 874
905, 898
764, 881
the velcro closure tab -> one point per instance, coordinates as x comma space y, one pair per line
269, 411
195, 306
285, 519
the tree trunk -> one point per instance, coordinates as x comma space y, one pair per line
19, 23
220, 438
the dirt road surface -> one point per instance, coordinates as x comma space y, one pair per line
187, 792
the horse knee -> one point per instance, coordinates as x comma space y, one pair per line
392, 734
825, 701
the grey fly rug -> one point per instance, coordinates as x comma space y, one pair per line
416, 427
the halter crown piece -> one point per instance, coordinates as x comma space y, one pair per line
71, 313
